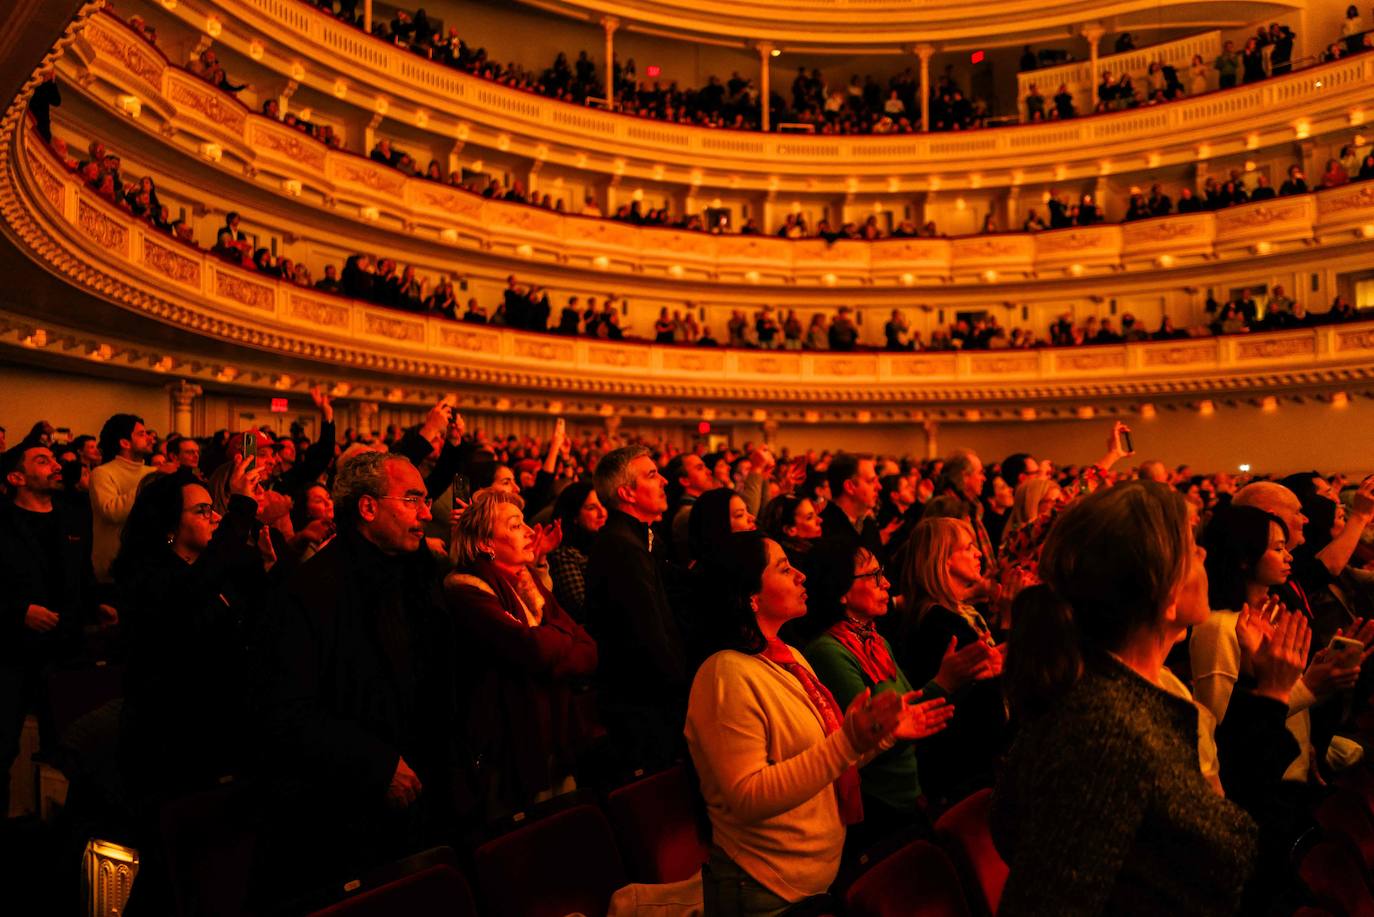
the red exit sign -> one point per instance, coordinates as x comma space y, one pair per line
278, 405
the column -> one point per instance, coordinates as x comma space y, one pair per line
1092, 33
183, 395
612, 422
367, 16
765, 56
610, 24
925, 52
1011, 209
932, 431
770, 431
1102, 194
367, 419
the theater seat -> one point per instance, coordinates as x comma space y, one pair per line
658, 822
1333, 875
427, 884
209, 839
1343, 815
564, 863
964, 831
917, 881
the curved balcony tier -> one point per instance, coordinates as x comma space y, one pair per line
103, 251
200, 122
307, 47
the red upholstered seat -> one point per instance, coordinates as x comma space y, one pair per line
658, 821
1344, 815
1333, 875
562, 864
964, 829
917, 881
425, 885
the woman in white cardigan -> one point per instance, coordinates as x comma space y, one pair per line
777, 758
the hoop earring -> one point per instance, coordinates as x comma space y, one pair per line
171, 539
490, 555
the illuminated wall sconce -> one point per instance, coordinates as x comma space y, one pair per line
1340, 400
1076, 270
601, 262
213, 27
448, 235
283, 381
619, 163
829, 279
1028, 413
503, 404
462, 131
255, 50
1165, 261
292, 186
1147, 411
35, 339
811, 416
1206, 408
478, 165
1367, 230
211, 151
100, 352
606, 409
1263, 248
908, 280
960, 203
864, 416
1252, 140
894, 185
340, 89
525, 250
675, 270
165, 365
1302, 130
715, 203
503, 142
227, 374
340, 390
776, 52
297, 71
1269, 404
395, 394
972, 414
1250, 165
422, 121
752, 276
1152, 160
1061, 172
1204, 150
130, 105
658, 412
935, 183
1356, 117
658, 171
169, 4
990, 275
1086, 412
370, 214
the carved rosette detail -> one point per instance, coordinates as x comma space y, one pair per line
469, 340
50, 185
1084, 361
1261, 350
543, 350
208, 103
1361, 198
133, 58
372, 178
1356, 340
1180, 356
178, 267
307, 154
394, 328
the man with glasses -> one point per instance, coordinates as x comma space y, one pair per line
356, 697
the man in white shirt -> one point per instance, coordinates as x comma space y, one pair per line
125, 445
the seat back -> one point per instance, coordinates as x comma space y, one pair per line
964, 830
75, 692
658, 822
916, 881
1343, 815
210, 840
1333, 875
564, 863
427, 884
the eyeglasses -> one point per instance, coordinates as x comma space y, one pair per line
413, 500
203, 510
879, 573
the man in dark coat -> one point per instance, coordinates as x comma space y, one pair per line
643, 676
49, 589
355, 693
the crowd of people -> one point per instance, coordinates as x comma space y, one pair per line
394, 641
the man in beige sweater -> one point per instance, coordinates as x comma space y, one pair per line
125, 444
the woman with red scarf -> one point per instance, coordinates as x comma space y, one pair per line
522, 652
848, 596
777, 757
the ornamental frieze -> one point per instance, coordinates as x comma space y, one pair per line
1011, 363
1262, 215
253, 295
394, 328
1101, 359
111, 234
291, 144
48, 183
466, 339
619, 356
209, 102
1258, 350
1355, 340
1180, 355
1163, 231
1356, 197
176, 266
1071, 241
923, 366
319, 313
137, 60
378, 178
693, 362
545, 350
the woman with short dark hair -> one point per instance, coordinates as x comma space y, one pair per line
579, 511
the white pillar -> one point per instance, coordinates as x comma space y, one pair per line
1093, 34
183, 395
610, 24
367, 16
925, 52
765, 57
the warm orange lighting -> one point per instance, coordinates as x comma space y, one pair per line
1147, 411
1340, 400
1269, 404
1206, 408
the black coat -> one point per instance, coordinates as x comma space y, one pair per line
356, 673
24, 568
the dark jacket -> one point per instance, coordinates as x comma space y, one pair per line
1102, 808
188, 627
517, 701
961, 758
26, 568
356, 673
836, 525
642, 657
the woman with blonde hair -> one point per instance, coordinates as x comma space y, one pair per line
1035, 497
521, 651
943, 638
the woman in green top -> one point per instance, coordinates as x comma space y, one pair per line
848, 593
